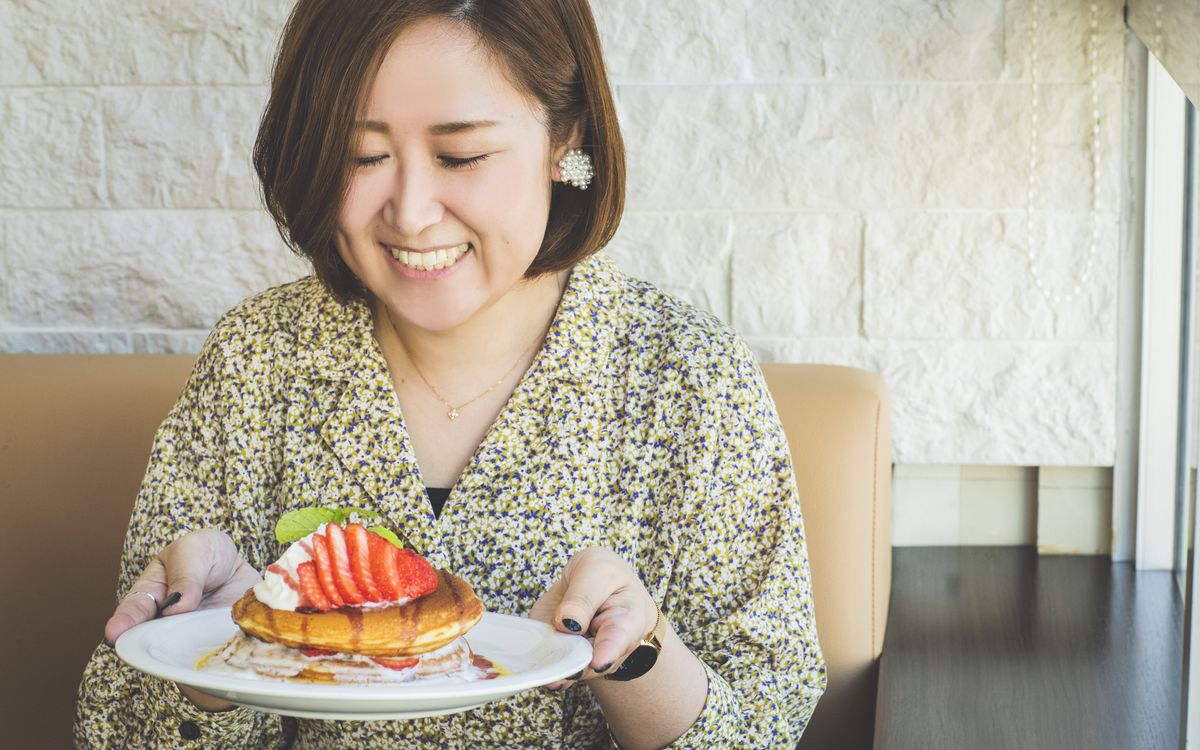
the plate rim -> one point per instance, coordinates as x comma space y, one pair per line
132, 648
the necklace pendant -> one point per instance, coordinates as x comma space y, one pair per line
452, 414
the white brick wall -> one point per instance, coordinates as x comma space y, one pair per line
842, 181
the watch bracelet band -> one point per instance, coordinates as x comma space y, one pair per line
653, 639
659, 631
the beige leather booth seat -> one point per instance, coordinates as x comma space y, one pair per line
75, 435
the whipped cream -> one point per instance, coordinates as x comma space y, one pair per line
280, 586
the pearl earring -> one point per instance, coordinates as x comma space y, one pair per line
576, 169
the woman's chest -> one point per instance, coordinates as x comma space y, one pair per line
526, 496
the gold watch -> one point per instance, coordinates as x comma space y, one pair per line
644, 656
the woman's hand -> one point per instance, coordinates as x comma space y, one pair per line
600, 596
204, 567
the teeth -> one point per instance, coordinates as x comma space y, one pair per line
431, 260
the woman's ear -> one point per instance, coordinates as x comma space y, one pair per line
574, 140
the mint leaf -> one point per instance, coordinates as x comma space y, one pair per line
299, 523
388, 535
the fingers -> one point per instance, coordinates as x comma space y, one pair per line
137, 607
601, 597
197, 564
618, 631
588, 582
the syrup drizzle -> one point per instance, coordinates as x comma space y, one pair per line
283, 573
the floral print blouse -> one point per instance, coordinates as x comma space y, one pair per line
642, 425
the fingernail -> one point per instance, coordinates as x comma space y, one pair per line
576, 676
605, 668
571, 625
170, 600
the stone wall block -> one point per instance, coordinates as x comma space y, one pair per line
685, 254
141, 268
1006, 403
983, 402
154, 42
968, 276
183, 147
52, 149
689, 42
797, 275
1063, 38
749, 40
1062, 179
904, 41
892, 147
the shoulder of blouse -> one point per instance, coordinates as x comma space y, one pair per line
709, 353
271, 313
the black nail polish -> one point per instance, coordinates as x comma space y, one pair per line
605, 668
171, 599
576, 676
571, 625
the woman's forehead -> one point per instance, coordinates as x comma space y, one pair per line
437, 72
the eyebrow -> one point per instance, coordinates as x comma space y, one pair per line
442, 128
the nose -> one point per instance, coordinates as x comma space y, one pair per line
415, 203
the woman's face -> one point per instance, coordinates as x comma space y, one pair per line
453, 169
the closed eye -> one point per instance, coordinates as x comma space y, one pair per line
369, 161
455, 162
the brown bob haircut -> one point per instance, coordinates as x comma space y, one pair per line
327, 58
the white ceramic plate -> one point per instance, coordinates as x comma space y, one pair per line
532, 651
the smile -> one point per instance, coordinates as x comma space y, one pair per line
431, 260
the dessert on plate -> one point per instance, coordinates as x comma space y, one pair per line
347, 604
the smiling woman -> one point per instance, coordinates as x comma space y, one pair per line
607, 459
322, 81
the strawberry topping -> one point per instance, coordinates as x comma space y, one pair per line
352, 566
417, 576
339, 558
358, 544
383, 567
311, 592
399, 663
320, 553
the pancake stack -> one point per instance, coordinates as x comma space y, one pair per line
346, 605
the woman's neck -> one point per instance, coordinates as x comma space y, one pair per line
461, 361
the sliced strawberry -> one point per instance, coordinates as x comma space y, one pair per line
320, 554
311, 593
417, 576
383, 567
317, 652
339, 556
399, 663
359, 547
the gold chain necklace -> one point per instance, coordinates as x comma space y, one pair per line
452, 410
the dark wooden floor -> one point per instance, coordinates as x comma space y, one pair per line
996, 647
